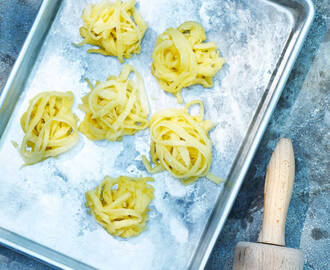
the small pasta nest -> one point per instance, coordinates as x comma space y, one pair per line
49, 125
181, 58
120, 204
180, 144
116, 28
115, 108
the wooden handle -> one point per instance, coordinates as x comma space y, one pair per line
278, 190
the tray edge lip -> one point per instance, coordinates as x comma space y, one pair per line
263, 125
43, 258
22, 52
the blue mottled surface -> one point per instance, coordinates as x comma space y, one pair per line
302, 114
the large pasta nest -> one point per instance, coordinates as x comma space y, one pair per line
116, 28
120, 204
115, 107
49, 125
181, 58
180, 144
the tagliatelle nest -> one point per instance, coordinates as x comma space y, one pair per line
180, 144
117, 28
115, 107
181, 58
49, 125
120, 204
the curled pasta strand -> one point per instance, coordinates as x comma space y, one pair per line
49, 125
181, 58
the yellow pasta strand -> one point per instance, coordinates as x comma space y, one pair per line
180, 144
117, 28
49, 125
115, 108
181, 58
120, 204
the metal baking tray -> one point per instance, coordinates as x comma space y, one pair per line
42, 209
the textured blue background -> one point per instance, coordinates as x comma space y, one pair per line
302, 114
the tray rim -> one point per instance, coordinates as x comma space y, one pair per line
277, 82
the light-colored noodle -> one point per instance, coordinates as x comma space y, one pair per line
49, 125
115, 107
180, 144
117, 28
181, 58
120, 204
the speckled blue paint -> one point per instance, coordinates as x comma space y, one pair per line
302, 114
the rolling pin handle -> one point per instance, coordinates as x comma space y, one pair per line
278, 190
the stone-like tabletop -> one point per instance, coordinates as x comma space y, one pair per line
302, 114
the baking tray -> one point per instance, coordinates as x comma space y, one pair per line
42, 209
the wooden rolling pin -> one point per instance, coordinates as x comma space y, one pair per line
270, 252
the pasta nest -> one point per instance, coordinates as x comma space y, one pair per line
116, 28
180, 144
181, 58
115, 107
120, 204
49, 125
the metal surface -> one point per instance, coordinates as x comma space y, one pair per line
259, 52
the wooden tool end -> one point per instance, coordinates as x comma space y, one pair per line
257, 256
